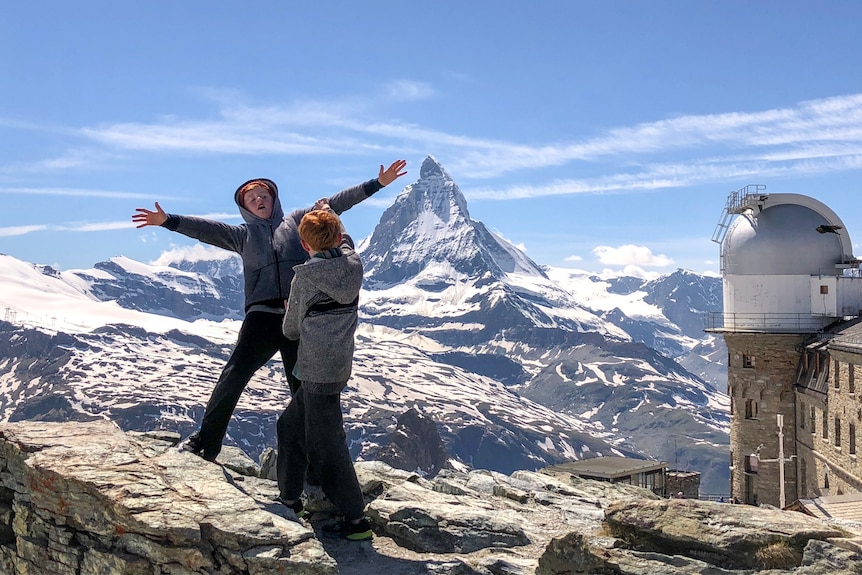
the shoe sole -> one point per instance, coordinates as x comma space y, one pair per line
361, 536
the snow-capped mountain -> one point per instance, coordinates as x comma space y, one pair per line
547, 333
429, 224
517, 364
97, 361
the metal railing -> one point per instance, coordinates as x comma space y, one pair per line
773, 322
737, 202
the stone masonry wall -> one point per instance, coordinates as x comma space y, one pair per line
840, 449
761, 377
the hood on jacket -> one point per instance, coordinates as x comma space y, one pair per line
340, 278
277, 213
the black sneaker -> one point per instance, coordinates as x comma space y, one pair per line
359, 531
295, 506
194, 444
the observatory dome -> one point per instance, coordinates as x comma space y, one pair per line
782, 239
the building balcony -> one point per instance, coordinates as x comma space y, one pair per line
721, 322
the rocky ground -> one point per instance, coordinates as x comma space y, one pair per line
86, 498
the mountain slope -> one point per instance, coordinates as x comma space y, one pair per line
456, 323
433, 271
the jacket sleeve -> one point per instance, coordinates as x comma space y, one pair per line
294, 313
217, 234
346, 199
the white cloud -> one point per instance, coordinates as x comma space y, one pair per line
573, 259
74, 192
196, 252
630, 255
96, 227
810, 137
20, 230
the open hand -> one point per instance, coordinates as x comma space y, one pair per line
391, 173
145, 217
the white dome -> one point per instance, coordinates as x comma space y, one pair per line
782, 239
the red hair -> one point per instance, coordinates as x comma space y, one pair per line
320, 229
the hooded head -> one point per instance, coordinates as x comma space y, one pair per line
258, 198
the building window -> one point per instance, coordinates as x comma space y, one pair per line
813, 424
824, 290
825, 425
851, 383
837, 432
752, 462
802, 416
750, 409
803, 477
747, 360
851, 437
837, 375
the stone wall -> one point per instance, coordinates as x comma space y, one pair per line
761, 376
837, 466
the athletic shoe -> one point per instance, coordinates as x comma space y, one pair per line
296, 506
349, 530
194, 444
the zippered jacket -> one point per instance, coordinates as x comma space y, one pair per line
322, 313
269, 248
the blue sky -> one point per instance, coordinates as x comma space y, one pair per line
595, 135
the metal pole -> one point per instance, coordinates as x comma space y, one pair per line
780, 419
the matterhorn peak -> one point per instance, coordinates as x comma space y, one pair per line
431, 168
429, 226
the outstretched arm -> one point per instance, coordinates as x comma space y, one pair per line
346, 199
145, 217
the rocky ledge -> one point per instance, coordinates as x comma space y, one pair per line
86, 498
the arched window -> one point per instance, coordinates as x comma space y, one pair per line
750, 409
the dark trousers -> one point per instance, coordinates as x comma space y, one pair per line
260, 336
311, 434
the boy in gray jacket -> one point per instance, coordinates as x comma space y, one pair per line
322, 312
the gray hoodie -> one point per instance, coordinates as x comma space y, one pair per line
322, 313
269, 248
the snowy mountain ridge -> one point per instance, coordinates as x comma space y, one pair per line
444, 299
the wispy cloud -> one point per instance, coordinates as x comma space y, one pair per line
811, 137
676, 175
91, 193
95, 226
20, 230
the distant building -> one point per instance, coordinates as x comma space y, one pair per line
685, 482
792, 299
644, 473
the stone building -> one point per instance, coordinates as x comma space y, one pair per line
792, 298
644, 473
829, 414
